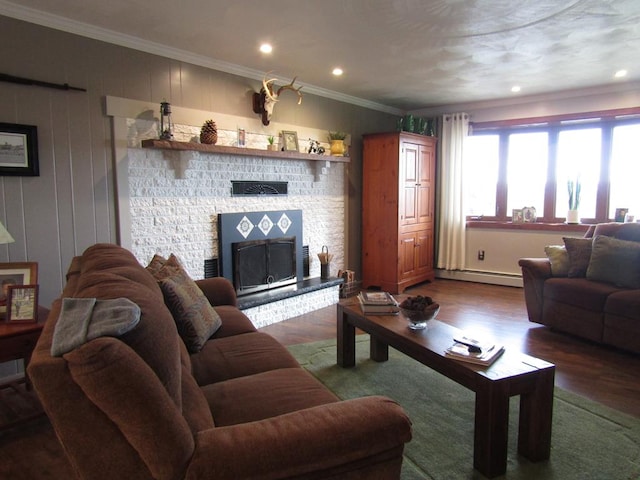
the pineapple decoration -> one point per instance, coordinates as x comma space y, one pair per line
209, 133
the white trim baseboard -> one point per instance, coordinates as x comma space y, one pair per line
481, 277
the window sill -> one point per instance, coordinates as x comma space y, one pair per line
529, 226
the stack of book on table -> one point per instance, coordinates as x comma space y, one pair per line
378, 303
468, 349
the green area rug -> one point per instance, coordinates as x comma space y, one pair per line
589, 441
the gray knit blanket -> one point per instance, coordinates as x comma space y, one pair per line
83, 319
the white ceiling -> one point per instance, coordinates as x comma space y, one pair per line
396, 54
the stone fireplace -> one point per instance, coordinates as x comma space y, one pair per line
169, 202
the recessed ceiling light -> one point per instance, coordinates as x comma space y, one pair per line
337, 71
515, 88
266, 48
620, 73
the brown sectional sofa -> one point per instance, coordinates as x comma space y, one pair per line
139, 406
596, 297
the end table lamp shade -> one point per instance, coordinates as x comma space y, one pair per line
5, 237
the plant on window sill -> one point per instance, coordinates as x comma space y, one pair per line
573, 187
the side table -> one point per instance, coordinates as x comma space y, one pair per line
17, 341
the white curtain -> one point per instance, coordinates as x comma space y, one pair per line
451, 232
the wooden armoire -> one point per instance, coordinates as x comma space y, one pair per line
398, 196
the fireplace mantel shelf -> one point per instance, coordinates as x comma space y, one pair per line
252, 152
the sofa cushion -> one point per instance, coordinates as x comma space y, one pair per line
234, 322
156, 264
559, 258
579, 251
625, 303
265, 395
239, 356
578, 292
622, 320
615, 261
195, 318
123, 386
108, 271
621, 231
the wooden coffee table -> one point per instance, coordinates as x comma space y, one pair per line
514, 373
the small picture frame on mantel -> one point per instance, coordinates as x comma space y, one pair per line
290, 141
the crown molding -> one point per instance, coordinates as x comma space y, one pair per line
618, 87
57, 22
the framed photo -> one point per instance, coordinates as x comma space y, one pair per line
517, 215
290, 141
19, 150
529, 214
620, 214
15, 273
22, 304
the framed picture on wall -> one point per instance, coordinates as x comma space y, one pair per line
22, 303
290, 141
19, 150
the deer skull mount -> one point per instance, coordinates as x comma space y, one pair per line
265, 101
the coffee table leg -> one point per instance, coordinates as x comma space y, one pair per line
491, 430
346, 340
536, 412
378, 351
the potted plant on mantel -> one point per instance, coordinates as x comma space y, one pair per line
573, 188
336, 139
271, 145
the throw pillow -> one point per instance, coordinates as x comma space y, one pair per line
615, 261
559, 258
156, 263
196, 320
579, 251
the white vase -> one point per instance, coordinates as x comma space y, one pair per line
573, 216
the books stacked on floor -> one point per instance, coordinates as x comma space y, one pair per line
472, 350
378, 303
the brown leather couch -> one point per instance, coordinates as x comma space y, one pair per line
601, 311
139, 406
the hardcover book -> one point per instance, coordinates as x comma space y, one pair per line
378, 303
377, 298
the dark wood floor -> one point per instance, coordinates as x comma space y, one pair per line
608, 376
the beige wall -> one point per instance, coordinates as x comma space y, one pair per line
71, 205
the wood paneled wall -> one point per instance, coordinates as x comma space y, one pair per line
71, 205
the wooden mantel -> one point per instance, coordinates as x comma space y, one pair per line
255, 152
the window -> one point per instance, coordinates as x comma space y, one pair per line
625, 169
481, 173
510, 167
527, 159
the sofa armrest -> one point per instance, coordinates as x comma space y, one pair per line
218, 290
334, 438
535, 271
